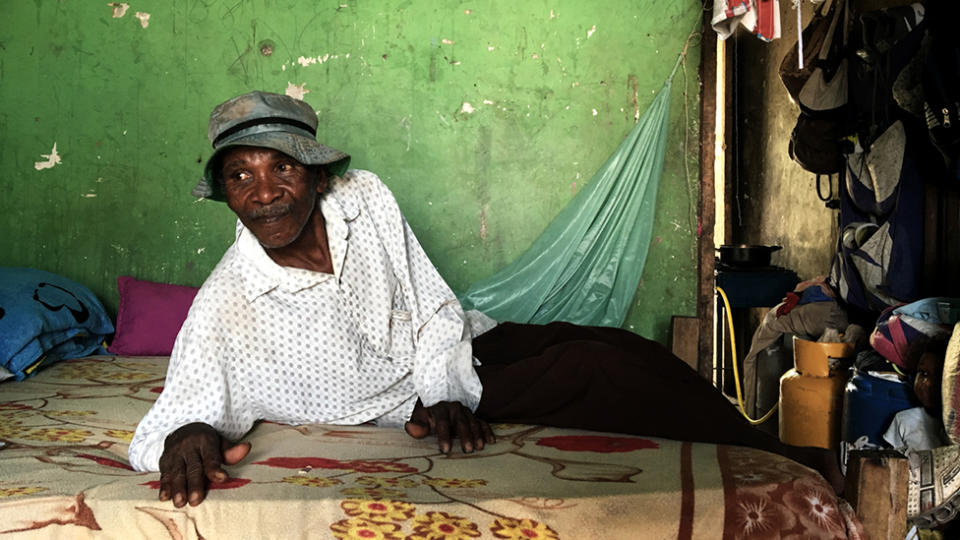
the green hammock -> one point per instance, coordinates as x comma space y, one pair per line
586, 266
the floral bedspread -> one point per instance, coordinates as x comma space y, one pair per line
64, 474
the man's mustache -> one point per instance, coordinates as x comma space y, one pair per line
274, 210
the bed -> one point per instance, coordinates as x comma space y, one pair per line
64, 473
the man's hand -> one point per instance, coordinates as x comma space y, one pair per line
446, 419
192, 456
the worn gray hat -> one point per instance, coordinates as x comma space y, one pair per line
266, 120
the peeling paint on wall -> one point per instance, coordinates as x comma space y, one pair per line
296, 91
319, 59
144, 18
405, 123
483, 221
53, 158
498, 135
119, 9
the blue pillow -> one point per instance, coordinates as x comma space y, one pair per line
45, 318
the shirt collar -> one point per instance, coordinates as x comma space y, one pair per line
337, 214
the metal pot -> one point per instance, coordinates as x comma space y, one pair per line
744, 255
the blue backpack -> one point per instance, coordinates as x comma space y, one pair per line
880, 249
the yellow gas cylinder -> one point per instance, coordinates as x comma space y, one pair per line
811, 394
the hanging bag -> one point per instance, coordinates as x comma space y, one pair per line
821, 49
818, 141
940, 79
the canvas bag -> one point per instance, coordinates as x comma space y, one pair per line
882, 43
818, 141
818, 40
873, 174
818, 144
825, 91
879, 267
941, 89
940, 80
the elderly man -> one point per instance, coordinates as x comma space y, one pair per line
326, 310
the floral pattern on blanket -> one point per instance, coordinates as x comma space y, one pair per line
64, 471
772, 498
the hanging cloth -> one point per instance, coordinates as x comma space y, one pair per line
586, 266
762, 17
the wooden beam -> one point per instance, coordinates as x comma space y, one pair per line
706, 209
684, 342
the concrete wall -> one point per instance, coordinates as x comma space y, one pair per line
483, 117
778, 202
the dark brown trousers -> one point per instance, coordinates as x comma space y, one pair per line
602, 379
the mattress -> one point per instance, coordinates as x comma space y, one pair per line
64, 473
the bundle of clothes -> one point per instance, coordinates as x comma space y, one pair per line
915, 347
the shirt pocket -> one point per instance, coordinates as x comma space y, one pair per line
377, 375
401, 335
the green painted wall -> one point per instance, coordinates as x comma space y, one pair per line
553, 86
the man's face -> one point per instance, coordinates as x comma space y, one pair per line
273, 194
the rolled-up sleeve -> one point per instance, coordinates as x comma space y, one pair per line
443, 365
197, 389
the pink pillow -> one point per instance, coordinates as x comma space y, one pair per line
149, 317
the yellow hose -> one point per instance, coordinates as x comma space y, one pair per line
736, 372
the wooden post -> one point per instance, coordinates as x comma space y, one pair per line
684, 339
706, 211
876, 487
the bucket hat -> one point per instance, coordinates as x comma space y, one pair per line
266, 120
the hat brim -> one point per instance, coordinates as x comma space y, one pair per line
305, 150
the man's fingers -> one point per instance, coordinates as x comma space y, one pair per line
441, 424
415, 430
173, 481
488, 436
211, 458
236, 453
459, 414
167, 475
476, 432
448, 419
196, 480
193, 456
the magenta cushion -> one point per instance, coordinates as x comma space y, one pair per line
149, 317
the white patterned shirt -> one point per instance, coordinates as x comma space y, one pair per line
267, 342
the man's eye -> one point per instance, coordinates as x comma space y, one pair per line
238, 178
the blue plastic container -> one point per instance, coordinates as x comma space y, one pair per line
869, 405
